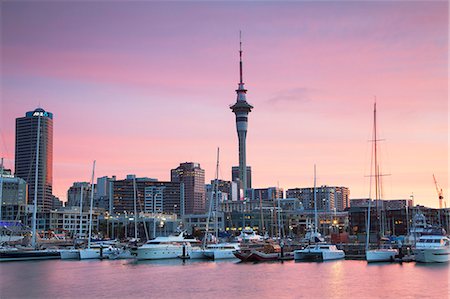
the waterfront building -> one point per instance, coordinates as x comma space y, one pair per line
103, 195
74, 195
328, 197
120, 226
265, 194
241, 109
14, 198
193, 178
236, 178
211, 194
68, 220
341, 198
196, 223
25, 152
152, 196
396, 219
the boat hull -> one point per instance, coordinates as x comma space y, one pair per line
28, 255
70, 254
219, 254
312, 255
244, 256
264, 257
86, 254
432, 255
198, 254
381, 255
158, 253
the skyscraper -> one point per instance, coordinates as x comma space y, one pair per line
26, 141
193, 178
241, 109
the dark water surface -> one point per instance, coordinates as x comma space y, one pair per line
227, 279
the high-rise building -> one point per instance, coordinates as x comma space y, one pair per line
25, 161
241, 109
341, 198
103, 194
152, 196
74, 195
265, 194
193, 178
328, 198
236, 178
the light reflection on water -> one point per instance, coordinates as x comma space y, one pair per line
224, 279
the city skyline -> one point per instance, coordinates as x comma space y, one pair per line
142, 97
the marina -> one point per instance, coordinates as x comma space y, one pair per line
226, 279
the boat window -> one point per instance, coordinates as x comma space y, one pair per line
323, 247
437, 241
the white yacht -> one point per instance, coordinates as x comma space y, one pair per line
383, 254
215, 251
70, 254
248, 234
319, 252
166, 248
432, 249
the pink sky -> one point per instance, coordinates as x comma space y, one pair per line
142, 86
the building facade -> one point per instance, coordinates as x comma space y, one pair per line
25, 155
152, 196
193, 178
103, 194
328, 197
236, 178
14, 198
77, 191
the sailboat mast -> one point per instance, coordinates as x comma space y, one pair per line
81, 211
36, 173
91, 204
217, 196
135, 208
315, 203
377, 174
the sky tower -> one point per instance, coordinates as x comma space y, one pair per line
241, 109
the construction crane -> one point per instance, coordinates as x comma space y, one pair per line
439, 192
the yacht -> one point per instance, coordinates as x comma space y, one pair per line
166, 248
319, 252
70, 254
221, 251
432, 249
248, 234
383, 254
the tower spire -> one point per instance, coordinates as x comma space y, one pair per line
240, 56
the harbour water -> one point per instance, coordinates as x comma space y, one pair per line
227, 279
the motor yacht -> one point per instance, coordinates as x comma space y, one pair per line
221, 250
248, 234
166, 248
432, 249
319, 252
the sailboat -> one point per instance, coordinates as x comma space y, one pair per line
89, 252
319, 251
384, 252
74, 254
214, 250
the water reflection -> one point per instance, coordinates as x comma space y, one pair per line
174, 278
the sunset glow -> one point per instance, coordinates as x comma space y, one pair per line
143, 86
